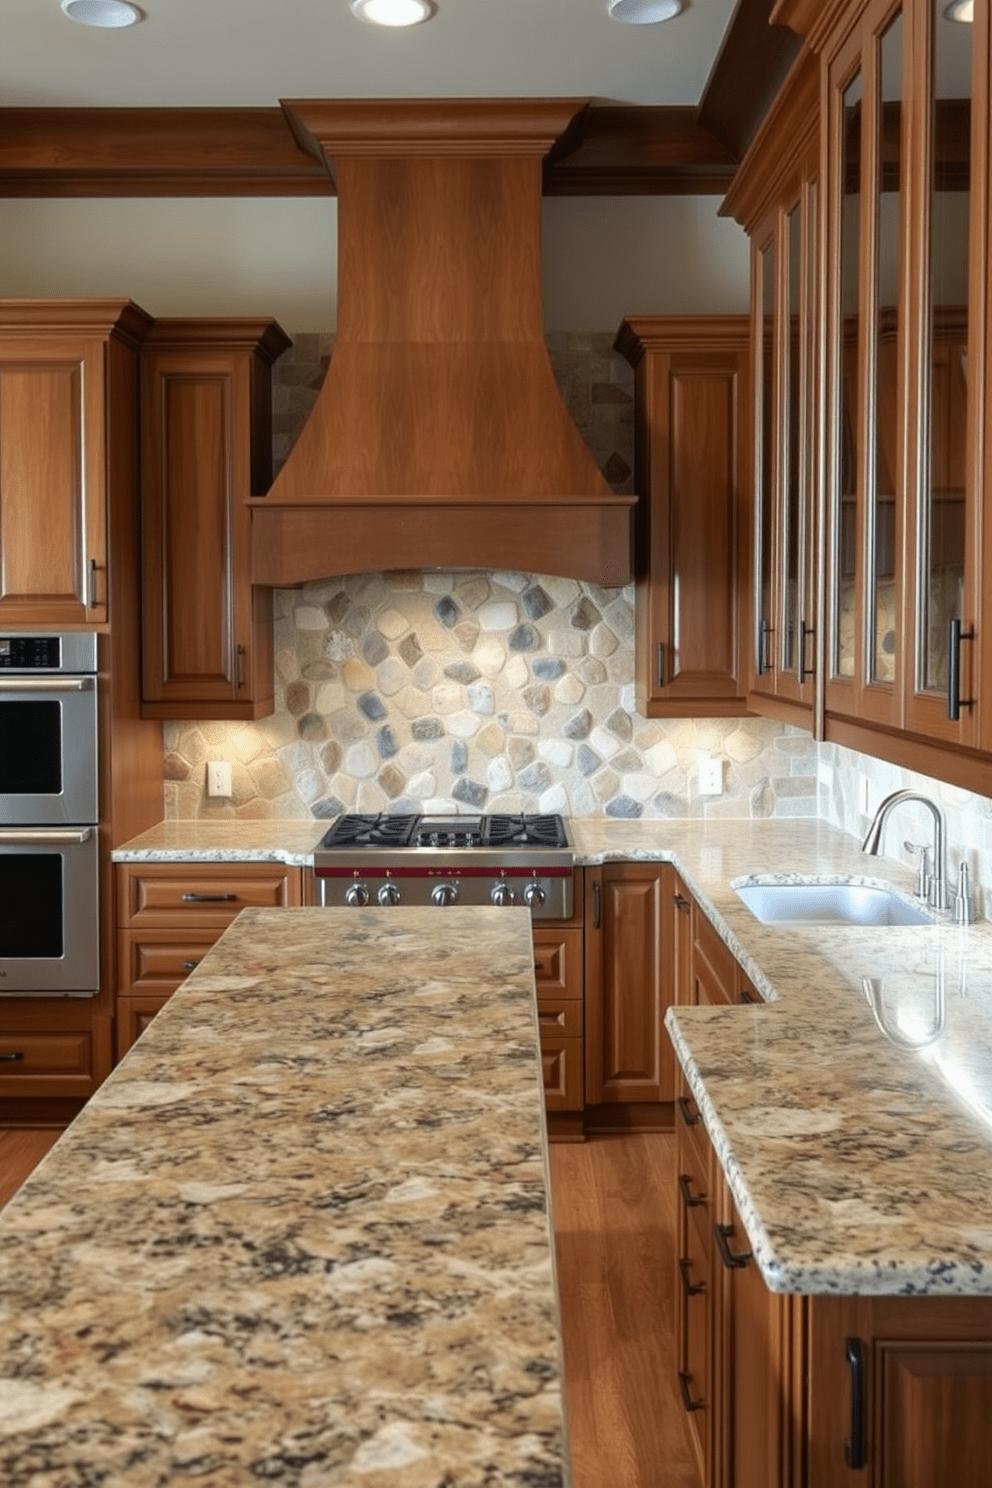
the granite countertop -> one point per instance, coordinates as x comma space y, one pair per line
301, 1233
852, 1114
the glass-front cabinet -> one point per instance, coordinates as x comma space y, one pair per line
903, 258
775, 197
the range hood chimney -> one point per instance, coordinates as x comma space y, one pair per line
439, 438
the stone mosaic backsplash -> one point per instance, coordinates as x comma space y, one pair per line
475, 691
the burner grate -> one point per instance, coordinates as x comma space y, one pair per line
370, 831
524, 831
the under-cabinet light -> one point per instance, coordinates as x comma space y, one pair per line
392, 12
643, 12
107, 14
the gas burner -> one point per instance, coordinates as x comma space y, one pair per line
370, 831
523, 831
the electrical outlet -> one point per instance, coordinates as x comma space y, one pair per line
218, 778
711, 777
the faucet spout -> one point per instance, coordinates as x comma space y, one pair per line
937, 896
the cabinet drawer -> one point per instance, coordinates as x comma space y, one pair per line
134, 1015
557, 1015
47, 1063
558, 962
561, 1062
156, 961
208, 894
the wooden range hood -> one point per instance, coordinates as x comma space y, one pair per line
439, 438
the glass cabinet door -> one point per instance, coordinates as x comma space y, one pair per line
941, 685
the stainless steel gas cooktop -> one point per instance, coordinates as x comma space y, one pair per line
413, 859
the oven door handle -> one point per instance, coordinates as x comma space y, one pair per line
45, 684
44, 836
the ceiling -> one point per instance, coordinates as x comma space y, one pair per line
241, 53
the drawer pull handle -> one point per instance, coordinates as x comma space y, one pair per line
854, 1450
685, 1381
190, 965
689, 1199
746, 997
208, 898
682, 904
687, 1116
13, 1057
691, 1288
733, 1260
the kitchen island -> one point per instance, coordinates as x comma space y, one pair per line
301, 1234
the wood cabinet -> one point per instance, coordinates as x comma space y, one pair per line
68, 421
629, 987
558, 961
775, 196
904, 263
206, 448
168, 917
693, 468
52, 1051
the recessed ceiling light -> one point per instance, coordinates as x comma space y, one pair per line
960, 10
393, 12
643, 12
105, 13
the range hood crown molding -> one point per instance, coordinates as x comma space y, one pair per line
439, 438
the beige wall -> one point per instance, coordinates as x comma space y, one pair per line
604, 257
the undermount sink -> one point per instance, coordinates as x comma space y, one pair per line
829, 904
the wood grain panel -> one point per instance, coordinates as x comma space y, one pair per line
153, 894
558, 963
157, 961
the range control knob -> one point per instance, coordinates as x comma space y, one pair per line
501, 893
446, 893
388, 894
356, 894
534, 896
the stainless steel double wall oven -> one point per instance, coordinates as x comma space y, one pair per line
49, 839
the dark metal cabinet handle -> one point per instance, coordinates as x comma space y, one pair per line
765, 632
733, 1260
689, 1199
746, 997
239, 678
685, 1380
661, 663
91, 603
686, 1110
690, 1288
190, 965
209, 898
13, 1057
855, 1454
955, 702
806, 633
682, 904
597, 904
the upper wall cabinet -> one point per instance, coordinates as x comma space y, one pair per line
206, 447
693, 461
904, 258
776, 198
68, 439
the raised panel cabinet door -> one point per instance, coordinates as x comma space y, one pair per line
900, 1391
692, 451
629, 987
206, 448
53, 528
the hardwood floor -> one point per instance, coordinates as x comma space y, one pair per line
21, 1150
614, 1214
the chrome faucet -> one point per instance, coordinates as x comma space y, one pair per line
936, 896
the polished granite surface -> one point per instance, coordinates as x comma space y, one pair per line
852, 1114
301, 1234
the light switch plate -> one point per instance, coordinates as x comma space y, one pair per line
218, 778
711, 777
